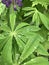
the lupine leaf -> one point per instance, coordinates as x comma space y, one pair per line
44, 20
21, 25
2, 8
28, 8
28, 29
46, 44
36, 18
3, 43
43, 3
7, 51
29, 13
20, 43
2, 36
30, 47
5, 28
41, 50
12, 20
37, 61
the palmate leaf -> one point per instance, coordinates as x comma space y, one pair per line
30, 47
39, 17
44, 3
21, 30
27, 28
37, 61
7, 51
18, 33
29, 10
26, 40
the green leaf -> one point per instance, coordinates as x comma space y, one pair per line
29, 13
44, 3
20, 43
7, 51
12, 20
21, 25
5, 28
26, 29
30, 47
2, 36
37, 61
44, 20
2, 8
2, 43
41, 50
23, 38
46, 44
36, 18
28, 8
43, 32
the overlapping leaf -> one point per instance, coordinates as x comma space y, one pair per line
42, 2
44, 20
37, 61
7, 51
30, 47
41, 50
